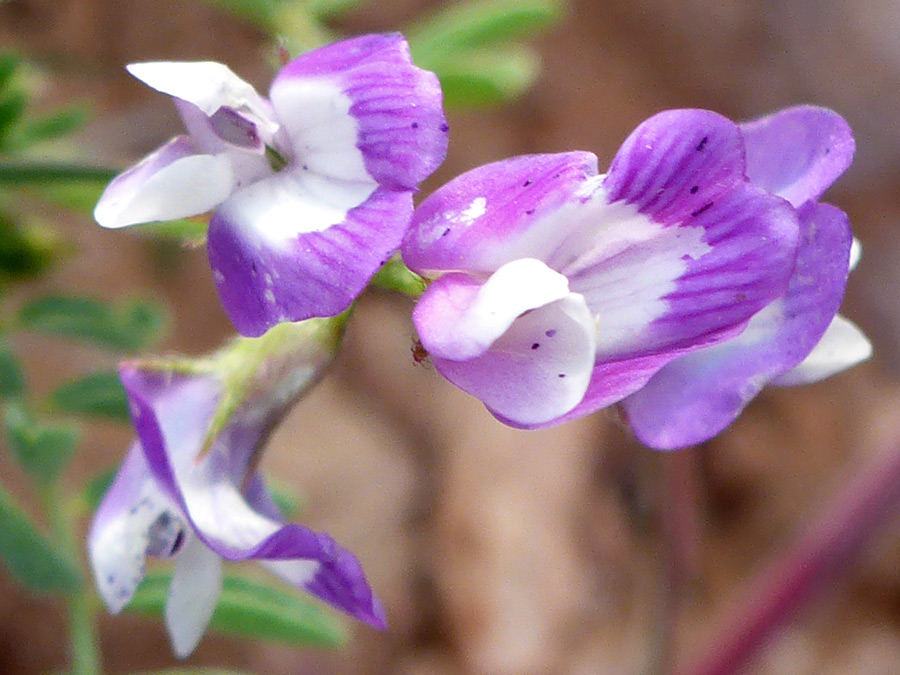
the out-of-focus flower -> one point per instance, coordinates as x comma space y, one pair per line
799, 338
560, 291
189, 487
311, 188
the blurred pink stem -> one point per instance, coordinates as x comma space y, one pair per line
843, 529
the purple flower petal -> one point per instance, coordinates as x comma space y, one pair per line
205, 490
497, 213
696, 396
134, 520
173, 182
842, 346
360, 110
659, 289
677, 164
797, 153
295, 246
536, 370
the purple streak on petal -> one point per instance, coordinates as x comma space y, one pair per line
799, 152
498, 212
676, 164
402, 131
698, 395
263, 282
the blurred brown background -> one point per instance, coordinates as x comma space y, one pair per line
497, 551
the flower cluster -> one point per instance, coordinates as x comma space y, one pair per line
698, 269
311, 188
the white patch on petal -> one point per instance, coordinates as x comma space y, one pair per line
476, 209
843, 345
292, 202
193, 595
324, 135
296, 572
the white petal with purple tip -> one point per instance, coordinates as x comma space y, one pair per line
208, 85
173, 182
193, 595
538, 369
450, 329
844, 345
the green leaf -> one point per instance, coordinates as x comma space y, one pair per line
9, 63
42, 449
330, 9
25, 253
29, 556
12, 382
12, 107
54, 125
479, 24
253, 609
261, 13
129, 327
288, 502
95, 395
92, 493
485, 78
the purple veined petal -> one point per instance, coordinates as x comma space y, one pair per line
538, 369
677, 164
459, 318
799, 152
135, 519
298, 245
193, 595
210, 86
360, 110
173, 182
172, 436
696, 396
516, 208
842, 346
669, 288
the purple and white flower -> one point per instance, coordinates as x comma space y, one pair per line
311, 189
558, 291
797, 339
189, 488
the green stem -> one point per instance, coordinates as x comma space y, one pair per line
83, 643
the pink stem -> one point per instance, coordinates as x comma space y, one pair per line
846, 525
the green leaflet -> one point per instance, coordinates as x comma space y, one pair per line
12, 382
29, 556
129, 327
253, 609
94, 395
41, 449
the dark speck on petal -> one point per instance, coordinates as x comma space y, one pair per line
702, 143
703, 208
445, 232
694, 189
415, 125
551, 332
445, 127
529, 212
527, 183
536, 345
561, 375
